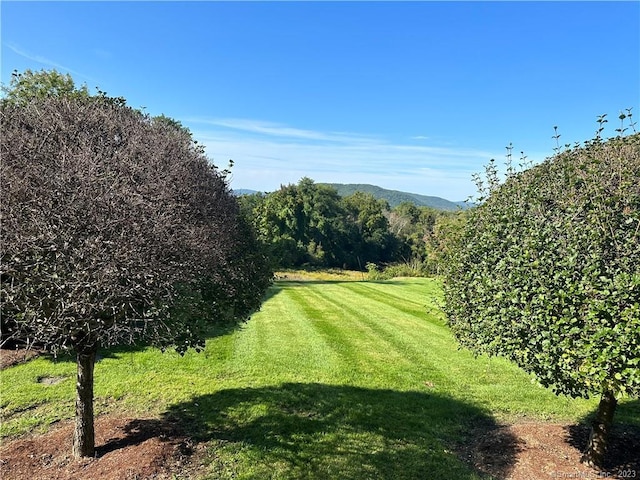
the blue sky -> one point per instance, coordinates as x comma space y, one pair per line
414, 96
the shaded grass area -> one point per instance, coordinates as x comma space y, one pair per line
310, 430
331, 379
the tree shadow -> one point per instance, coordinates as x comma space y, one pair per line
318, 431
623, 451
139, 431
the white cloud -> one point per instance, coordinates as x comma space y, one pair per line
273, 129
267, 155
43, 60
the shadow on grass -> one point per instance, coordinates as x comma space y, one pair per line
623, 452
317, 431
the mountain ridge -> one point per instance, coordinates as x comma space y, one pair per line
393, 197
396, 197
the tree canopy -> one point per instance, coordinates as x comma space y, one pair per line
30, 85
310, 224
116, 230
546, 273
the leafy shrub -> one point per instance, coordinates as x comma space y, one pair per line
547, 273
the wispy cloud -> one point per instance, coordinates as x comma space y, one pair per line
43, 60
272, 129
268, 154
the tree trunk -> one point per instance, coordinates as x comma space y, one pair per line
597, 446
83, 435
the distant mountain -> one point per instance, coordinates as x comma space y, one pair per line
395, 197
243, 191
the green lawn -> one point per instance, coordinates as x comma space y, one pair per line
331, 379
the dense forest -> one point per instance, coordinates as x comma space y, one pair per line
311, 224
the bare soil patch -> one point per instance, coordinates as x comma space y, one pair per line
155, 449
10, 357
126, 449
51, 380
546, 451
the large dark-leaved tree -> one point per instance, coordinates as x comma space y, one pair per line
115, 230
547, 274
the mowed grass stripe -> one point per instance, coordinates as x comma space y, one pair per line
409, 330
280, 342
361, 324
407, 347
383, 345
340, 329
410, 348
399, 295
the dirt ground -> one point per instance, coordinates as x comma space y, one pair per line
13, 357
136, 449
547, 450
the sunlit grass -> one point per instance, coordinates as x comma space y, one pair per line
333, 378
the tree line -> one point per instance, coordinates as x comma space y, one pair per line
310, 224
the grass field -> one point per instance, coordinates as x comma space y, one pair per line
333, 378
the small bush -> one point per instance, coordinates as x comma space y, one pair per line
411, 268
